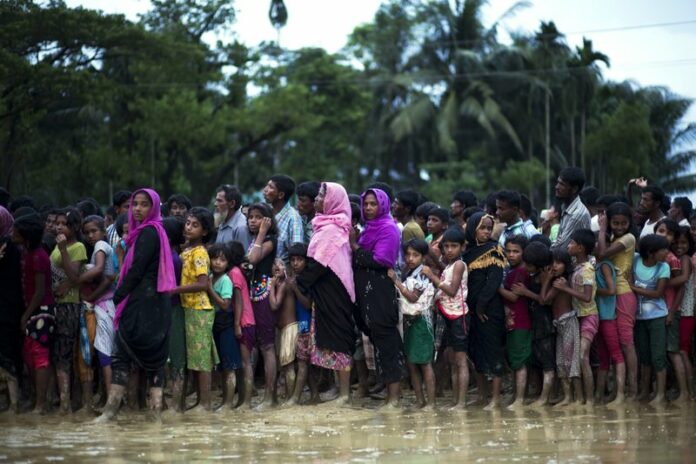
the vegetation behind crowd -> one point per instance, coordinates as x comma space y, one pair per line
424, 96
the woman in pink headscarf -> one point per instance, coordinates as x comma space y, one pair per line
143, 307
328, 280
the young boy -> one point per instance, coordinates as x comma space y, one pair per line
438, 220
537, 256
519, 336
283, 302
582, 290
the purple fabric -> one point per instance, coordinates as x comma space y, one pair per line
6, 222
166, 279
381, 235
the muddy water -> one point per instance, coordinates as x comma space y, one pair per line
329, 434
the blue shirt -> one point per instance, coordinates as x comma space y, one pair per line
235, 229
521, 227
648, 277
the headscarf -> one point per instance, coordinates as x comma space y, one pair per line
381, 235
6, 222
166, 279
330, 241
475, 250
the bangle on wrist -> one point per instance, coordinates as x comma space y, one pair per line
256, 245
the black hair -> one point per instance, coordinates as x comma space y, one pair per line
671, 224
297, 249
684, 204
410, 199
489, 205
685, 231
519, 240
98, 220
509, 197
526, 206
120, 197
4, 197
237, 253
265, 211
18, 202
620, 209
23, 211
179, 199
174, 228
573, 176
31, 228
355, 211
442, 214
589, 196
220, 249
607, 200
466, 197
541, 238
470, 211
652, 243
309, 189
386, 188
207, 221
656, 193
420, 246
424, 209
537, 254
284, 184
89, 207
110, 212
585, 238
354, 198
454, 234
562, 256
121, 220
232, 193
73, 220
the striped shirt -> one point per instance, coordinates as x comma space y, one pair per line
521, 227
290, 230
573, 217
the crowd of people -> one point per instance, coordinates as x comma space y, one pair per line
379, 289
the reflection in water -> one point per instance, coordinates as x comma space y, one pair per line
328, 434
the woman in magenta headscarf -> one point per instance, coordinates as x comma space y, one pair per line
143, 307
328, 279
377, 308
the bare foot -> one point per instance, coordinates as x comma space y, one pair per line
539, 403
493, 405
562, 403
659, 400
515, 405
457, 406
265, 405
339, 401
390, 406
680, 400
428, 407
618, 401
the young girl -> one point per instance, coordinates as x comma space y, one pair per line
416, 305
101, 274
683, 248
450, 300
201, 355
438, 220
37, 321
617, 223
261, 255
220, 293
674, 294
567, 327
244, 322
283, 303
67, 259
650, 277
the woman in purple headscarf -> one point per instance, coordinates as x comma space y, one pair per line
143, 307
377, 313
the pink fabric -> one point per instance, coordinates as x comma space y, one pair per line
687, 324
35, 355
626, 306
608, 346
240, 285
6, 222
166, 279
330, 245
589, 326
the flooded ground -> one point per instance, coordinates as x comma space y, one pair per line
326, 433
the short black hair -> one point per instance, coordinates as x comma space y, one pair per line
541, 238
454, 234
297, 249
98, 220
284, 184
174, 228
206, 220
489, 205
20, 201
589, 196
121, 220
309, 189
466, 197
656, 193
423, 210
671, 224
562, 256
179, 199
354, 198
31, 228
684, 204
441, 213
220, 249
419, 245
537, 254
470, 211
607, 200
410, 199
519, 240
73, 220
89, 207
573, 176
620, 209
355, 211
585, 238
237, 253
685, 231
232, 193
509, 197
23, 211
110, 212
386, 188
652, 243
120, 197
526, 205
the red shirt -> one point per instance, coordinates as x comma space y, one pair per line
519, 310
34, 262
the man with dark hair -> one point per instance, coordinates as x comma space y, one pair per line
574, 215
178, 205
650, 202
590, 197
20, 202
404, 210
680, 210
386, 188
460, 201
508, 212
306, 194
278, 192
120, 203
233, 226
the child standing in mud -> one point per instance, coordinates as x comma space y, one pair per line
283, 304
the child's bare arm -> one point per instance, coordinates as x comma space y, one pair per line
201, 285
411, 296
657, 293
608, 278
277, 294
238, 305
451, 288
680, 276
216, 299
508, 295
96, 271
585, 295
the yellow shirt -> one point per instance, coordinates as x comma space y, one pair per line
584, 274
195, 262
623, 262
